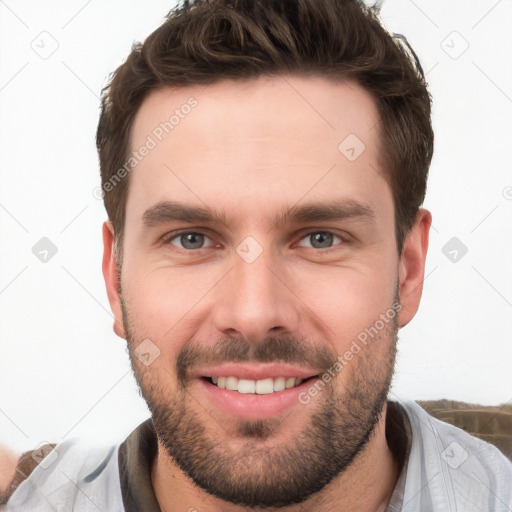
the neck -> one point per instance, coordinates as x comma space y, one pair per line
366, 486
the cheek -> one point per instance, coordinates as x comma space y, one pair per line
164, 300
347, 300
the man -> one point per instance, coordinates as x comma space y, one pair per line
264, 165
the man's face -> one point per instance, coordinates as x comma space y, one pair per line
266, 287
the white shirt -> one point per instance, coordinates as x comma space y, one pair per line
449, 470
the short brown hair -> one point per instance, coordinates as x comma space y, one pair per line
202, 42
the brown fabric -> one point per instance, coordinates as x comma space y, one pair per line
27, 462
489, 423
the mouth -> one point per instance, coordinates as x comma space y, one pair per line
254, 399
259, 387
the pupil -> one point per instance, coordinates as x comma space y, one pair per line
322, 237
192, 240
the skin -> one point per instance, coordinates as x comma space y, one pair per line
8, 462
254, 150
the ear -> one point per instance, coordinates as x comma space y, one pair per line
111, 277
411, 267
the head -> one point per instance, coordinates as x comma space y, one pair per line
273, 217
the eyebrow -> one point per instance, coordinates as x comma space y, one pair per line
169, 211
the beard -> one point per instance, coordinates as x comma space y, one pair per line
249, 474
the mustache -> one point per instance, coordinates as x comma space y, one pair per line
272, 349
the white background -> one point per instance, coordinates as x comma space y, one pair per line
64, 373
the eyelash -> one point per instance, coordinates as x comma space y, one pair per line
166, 240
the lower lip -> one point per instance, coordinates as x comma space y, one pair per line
251, 405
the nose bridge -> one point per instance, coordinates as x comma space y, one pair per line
254, 300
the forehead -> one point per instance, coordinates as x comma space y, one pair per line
272, 139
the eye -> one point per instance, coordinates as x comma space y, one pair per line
194, 240
321, 239
188, 240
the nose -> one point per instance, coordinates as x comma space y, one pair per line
256, 299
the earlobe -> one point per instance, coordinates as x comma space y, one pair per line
411, 268
111, 276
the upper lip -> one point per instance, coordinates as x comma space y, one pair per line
255, 371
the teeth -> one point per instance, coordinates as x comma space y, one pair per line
232, 383
246, 386
279, 384
259, 387
265, 386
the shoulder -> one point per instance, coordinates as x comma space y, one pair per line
15, 468
68, 471
459, 463
441, 431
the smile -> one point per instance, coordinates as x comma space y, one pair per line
259, 387
254, 399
